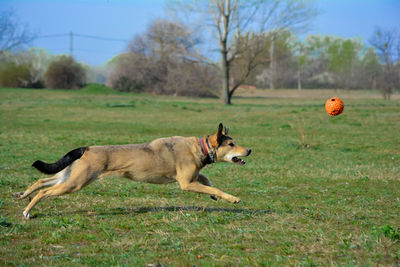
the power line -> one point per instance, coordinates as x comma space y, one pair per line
101, 38
82, 36
96, 51
52, 35
71, 36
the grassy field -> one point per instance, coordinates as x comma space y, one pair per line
317, 190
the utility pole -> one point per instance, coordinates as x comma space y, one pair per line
71, 47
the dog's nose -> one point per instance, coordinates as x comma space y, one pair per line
248, 151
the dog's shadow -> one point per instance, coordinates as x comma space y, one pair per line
141, 210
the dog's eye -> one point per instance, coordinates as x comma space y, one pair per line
231, 144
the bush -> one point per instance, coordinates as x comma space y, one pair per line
164, 60
65, 73
139, 73
15, 75
127, 84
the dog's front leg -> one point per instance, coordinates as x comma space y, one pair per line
204, 180
186, 178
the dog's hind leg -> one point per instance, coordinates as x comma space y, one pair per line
81, 174
58, 178
204, 180
55, 190
36, 186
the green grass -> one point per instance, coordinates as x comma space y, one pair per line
332, 199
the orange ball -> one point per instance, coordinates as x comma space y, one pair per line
334, 106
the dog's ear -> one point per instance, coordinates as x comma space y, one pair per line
226, 130
215, 139
220, 133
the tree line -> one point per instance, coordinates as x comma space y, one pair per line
217, 47
164, 60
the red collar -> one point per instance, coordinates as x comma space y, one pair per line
206, 149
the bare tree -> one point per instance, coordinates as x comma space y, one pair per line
226, 19
253, 64
13, 34
163, 61
301, 60
387, 44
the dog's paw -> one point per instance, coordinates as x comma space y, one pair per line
234, 200
213, 197
26, 215
237, 200
18, 195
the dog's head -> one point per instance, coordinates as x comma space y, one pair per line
226, 150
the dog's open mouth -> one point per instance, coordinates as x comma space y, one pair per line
238, 161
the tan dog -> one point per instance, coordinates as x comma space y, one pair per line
161, 161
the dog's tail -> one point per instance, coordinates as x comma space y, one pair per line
50, 168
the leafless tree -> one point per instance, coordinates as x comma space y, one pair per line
257, 65
163, 60
226, 19
387, 44
13, 34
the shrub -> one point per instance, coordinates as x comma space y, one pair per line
15, 75
138, 73
65, 73
127, 84
164, 60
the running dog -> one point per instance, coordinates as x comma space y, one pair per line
164, 160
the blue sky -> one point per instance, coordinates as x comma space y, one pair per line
119, 19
